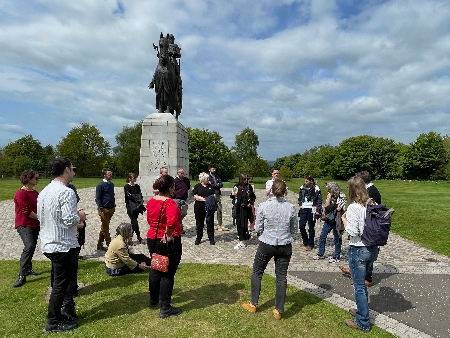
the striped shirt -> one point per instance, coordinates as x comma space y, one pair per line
276, 219
58, 215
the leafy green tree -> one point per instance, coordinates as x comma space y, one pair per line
316, 162
375, 154
206, 147
285, 173
86, 148
246, 154
245, 145
127, 152
424, 157
24, 153
255, 168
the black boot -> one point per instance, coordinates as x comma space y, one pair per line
20, 281
169, 311
69, 313
33, 273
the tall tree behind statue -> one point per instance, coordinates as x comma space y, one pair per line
167, 78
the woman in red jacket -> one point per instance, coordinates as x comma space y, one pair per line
27, 223
164, 241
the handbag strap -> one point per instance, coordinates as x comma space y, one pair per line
157, 227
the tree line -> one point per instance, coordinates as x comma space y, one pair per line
428, 157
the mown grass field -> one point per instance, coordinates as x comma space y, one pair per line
210, 296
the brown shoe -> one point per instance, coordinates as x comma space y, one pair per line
222, 228
249, 307
352, 311
368, 284
276, 314
308, 248
344, 270
101, 248
351, 323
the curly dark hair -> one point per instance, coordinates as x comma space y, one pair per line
27, 175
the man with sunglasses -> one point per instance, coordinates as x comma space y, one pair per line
58, 215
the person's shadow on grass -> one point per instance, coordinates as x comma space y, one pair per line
208, 295
125, 305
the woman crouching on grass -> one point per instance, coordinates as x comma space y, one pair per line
360, 257
276, 221
118, 261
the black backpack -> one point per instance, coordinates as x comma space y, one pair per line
377, 225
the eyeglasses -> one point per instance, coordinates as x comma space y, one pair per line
73, 168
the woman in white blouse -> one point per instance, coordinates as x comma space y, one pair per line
276, 222
360, 257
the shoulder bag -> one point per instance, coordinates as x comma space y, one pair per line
159, 262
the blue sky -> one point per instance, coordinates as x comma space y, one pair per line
299, 73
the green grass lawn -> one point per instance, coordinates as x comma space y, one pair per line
210, 296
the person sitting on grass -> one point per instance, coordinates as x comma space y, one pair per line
118, 260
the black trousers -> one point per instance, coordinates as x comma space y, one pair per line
29, 238
242, 222
161, 283
134, 223
200, 216
64, 267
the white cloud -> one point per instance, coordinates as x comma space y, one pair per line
300, 73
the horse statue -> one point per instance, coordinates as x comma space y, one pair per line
166, 79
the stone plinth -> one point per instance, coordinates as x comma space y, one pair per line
164, 143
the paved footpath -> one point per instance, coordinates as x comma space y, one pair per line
410, 296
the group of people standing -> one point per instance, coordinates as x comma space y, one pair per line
55, 208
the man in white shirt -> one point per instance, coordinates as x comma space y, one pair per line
58, 215
275, 174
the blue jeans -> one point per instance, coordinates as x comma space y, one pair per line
327, 227
282, 256
360, 258
307, 217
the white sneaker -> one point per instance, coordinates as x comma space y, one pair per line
239, 246
333, 260
318, 257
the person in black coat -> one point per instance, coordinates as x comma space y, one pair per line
134, 204
243, 201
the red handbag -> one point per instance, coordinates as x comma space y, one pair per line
159, 262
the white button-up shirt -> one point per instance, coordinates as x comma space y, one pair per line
58, 216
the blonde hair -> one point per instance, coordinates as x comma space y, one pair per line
202, 176
278, 188
357, 191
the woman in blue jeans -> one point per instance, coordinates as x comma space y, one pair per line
276, 222
360, 257
334, 205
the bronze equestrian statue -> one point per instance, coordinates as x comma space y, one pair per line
167, 79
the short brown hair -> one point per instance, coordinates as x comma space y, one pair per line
27, 175
365, 176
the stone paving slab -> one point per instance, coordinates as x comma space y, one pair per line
400, 258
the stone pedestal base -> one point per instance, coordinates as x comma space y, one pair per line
164, 143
